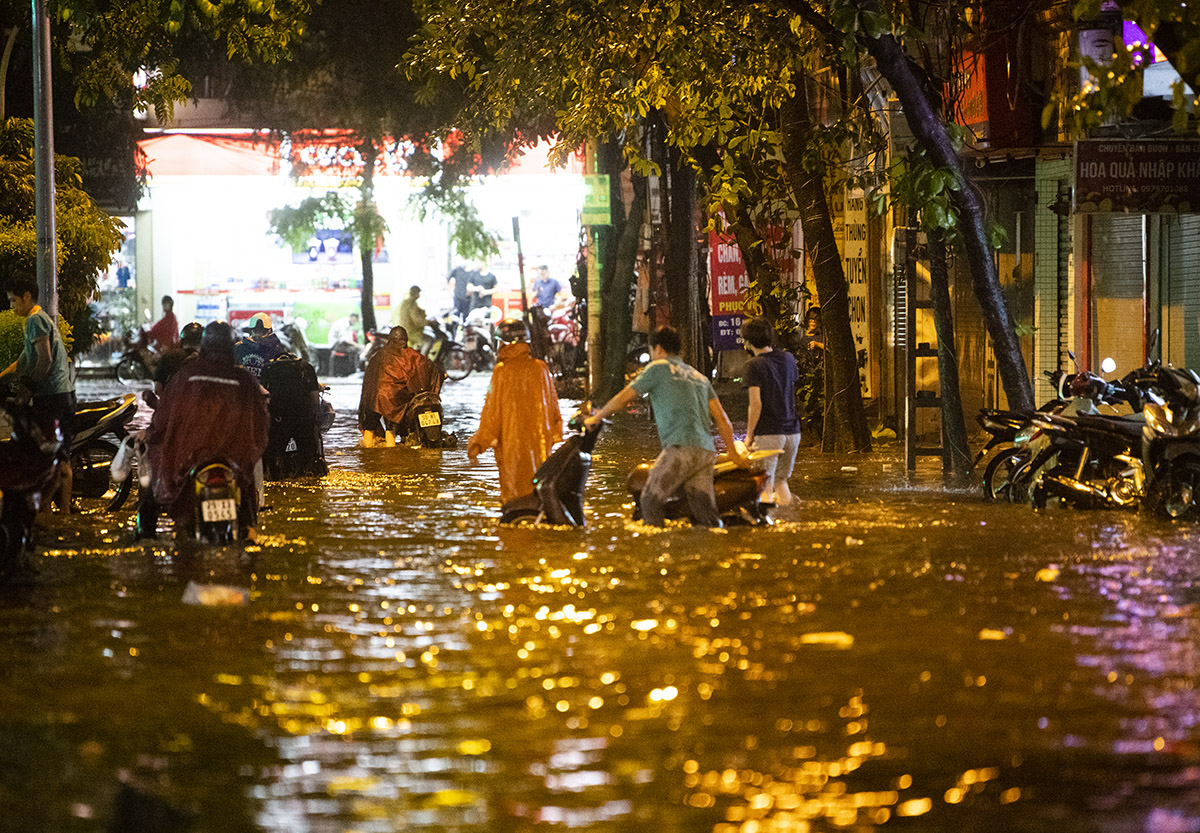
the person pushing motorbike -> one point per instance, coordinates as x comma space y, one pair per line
212, 409
520, 417
685, 405
393, 377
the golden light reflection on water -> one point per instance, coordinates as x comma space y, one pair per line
403, 662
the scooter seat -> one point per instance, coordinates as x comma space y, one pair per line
88, 414
753, 457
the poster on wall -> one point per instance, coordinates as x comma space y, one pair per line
854, 262
728, 279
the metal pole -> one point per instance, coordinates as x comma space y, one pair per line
593, 287
43, 167
521, 268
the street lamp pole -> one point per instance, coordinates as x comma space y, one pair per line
43, 163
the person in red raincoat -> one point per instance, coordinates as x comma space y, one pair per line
212, 409
393, 376
520, 418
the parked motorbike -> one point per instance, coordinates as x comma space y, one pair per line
28, 481
1090, 461
1011, 432
137, 358
738, 492
477, 339
99, 427
447, 352
294, 340
1171, 444
560, 481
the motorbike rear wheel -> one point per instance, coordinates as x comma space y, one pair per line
1175, 492
458, 364
132, 369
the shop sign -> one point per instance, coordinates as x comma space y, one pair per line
1140, 176
854, 263
728, 279
596, 207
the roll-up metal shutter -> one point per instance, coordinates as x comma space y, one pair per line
1181, 304
1118, 290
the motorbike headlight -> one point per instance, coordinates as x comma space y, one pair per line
1158, 417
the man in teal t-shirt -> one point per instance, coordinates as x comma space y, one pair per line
44, 369
685, 405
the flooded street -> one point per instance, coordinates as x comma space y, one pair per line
893, 653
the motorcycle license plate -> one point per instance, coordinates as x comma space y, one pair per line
219, 509
429, 419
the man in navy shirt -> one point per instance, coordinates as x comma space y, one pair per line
771, 421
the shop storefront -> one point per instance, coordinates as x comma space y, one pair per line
203, 233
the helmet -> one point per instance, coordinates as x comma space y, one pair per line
191, 333
1087, 384
512, 329
259, 323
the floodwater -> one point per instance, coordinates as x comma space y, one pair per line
894, 653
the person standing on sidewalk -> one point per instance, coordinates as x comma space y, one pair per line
685, 405
771, 421
43, 367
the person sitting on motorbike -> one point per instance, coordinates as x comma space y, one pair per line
393, 377
412, 318
212, 409
520, 417
260, 345
165, 332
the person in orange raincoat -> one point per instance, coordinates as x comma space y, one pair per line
520, 418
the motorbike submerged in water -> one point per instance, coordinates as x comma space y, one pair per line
738, 492
216, 510
560, 482
423, 423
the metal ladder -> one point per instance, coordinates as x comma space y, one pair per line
914, 353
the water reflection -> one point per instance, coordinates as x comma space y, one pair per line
890, 650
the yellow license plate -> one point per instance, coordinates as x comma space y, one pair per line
429, 419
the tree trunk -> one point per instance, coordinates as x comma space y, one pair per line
841, 358
680, 260
618, 281
954, 429
930, 130
366, 237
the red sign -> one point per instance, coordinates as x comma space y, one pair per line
728, 280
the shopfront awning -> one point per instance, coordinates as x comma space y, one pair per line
196, 155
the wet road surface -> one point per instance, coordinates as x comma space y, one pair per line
893, 654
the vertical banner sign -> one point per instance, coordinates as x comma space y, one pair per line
597, 208
728, 279
854, 261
